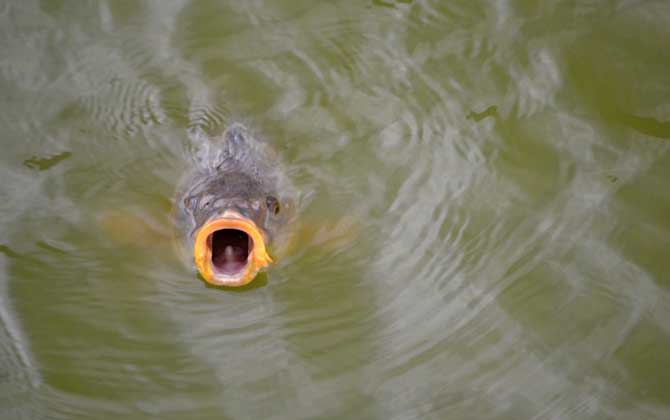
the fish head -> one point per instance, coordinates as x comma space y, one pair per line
234, 216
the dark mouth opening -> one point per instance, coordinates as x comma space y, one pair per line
230, 251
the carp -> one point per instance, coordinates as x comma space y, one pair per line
234, 208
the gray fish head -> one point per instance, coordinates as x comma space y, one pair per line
234, 218
236, 192
232, 208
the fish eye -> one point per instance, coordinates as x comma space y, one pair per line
205, 201
273, 205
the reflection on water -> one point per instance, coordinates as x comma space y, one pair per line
487, 182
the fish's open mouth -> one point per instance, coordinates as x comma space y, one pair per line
230, 250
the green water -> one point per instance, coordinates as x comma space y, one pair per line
499, 170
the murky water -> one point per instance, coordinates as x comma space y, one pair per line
490, 180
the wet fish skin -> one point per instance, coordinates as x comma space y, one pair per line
239, 175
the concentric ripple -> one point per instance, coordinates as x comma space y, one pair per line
481, 190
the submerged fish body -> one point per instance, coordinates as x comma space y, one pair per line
233, 208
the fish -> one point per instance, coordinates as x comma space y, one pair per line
234, 208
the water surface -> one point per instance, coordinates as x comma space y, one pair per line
489, 180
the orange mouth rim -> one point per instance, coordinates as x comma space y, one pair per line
202, 252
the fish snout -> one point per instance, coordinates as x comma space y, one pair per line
230, 250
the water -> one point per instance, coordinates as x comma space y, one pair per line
488, 180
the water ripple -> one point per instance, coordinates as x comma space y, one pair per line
481, 204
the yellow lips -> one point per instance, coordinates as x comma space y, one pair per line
202, 250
